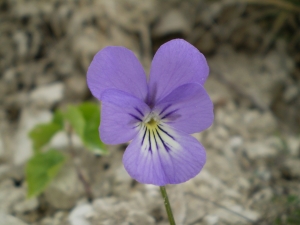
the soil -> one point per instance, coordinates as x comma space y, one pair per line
252, 175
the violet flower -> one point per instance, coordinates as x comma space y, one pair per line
158, 115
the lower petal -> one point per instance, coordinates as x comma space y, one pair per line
164, 157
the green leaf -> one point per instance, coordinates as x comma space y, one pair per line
58, 118
42, 134
76, 119
41, 169
90, 138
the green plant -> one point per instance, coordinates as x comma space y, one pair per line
42, 168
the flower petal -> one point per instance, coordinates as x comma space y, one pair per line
165, 157
188, 108
117, 67
175, 63
121, 114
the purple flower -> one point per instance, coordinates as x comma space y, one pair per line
157, 114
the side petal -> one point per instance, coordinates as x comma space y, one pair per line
166, 157
188, 108
175, 63
121, 115
116, 67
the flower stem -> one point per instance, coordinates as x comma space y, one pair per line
167, 205
81, 177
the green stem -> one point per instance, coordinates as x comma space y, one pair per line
167, 205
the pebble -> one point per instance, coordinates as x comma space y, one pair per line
6, 219
30, 117
46, 96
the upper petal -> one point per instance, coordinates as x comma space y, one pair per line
121, 115
116, 67
169, 157
188, 108
175, 63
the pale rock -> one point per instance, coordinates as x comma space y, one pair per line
263, 173
172, 21
6, 219
259, 123
2, 151
4, 170
80, 215
176, 196
10, 196
213, 141
293, 143
243, 183
122, 182
60, 141
26, 205
218, 92
86, 44
221, 132
257, 83
137, 218
110, 210
264, 195
21, 40
76, 88
30, 117
9, 81
64, 191
291, 93
60, 218
46, 96
293, 166
236, 142
211, 219
260, 149
206, 43
235, 214
209, 15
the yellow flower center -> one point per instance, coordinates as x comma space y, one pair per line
152, 124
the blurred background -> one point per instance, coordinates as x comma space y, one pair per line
252, 175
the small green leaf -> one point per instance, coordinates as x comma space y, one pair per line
91, 140
42, 134
58, 118
76, 119
41, 169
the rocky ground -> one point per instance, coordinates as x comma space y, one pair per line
252, 175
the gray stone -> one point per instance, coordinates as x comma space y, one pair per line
80, 215
2, 152
76, 88
30, 117
60, 141
10, 196
46, 96
65, 190
172, 21
291, 92
60, 218
262, 149
26, 205
112, 211
293, 166
6, 219
293, 143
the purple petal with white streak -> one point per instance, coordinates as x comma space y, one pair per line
171, 158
